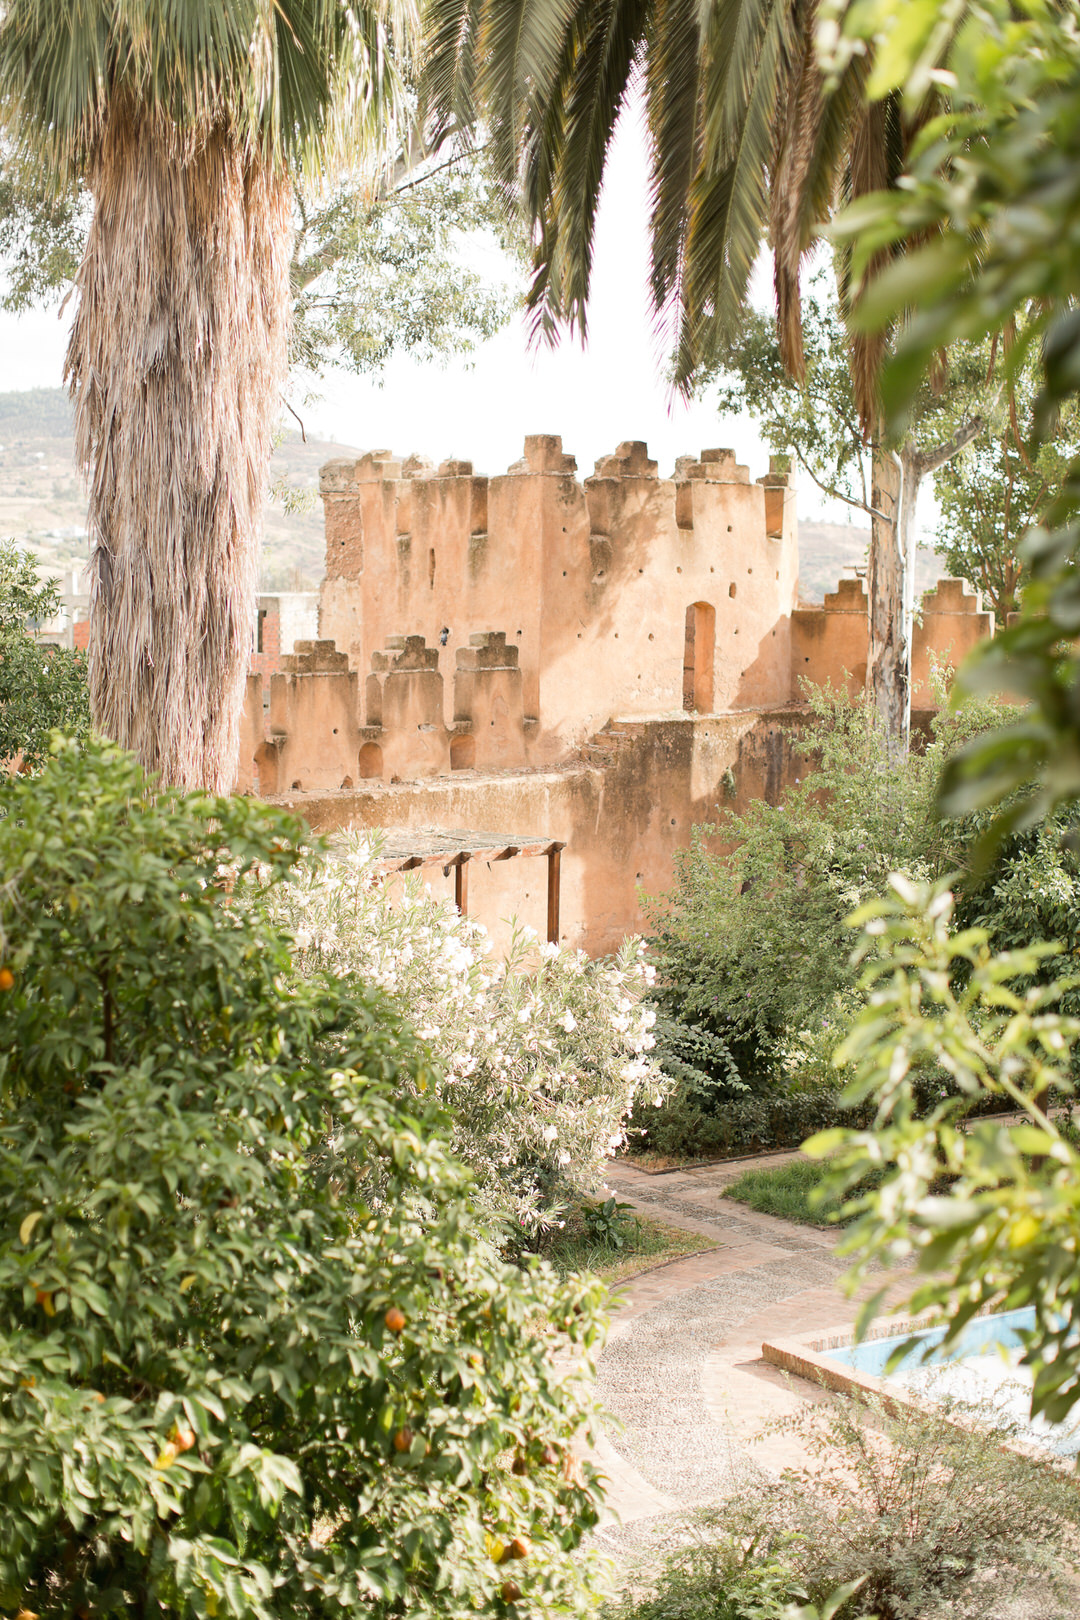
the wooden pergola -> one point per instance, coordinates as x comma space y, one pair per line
452, 848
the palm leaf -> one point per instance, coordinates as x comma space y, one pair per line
595, 95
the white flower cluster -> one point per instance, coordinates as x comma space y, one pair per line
539, 1058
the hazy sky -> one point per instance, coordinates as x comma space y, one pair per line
481, 410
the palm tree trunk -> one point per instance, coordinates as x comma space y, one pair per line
175, 364
888, 669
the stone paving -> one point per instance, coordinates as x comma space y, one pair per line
682, 1373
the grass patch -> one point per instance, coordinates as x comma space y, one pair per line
645, 1243
785, 1190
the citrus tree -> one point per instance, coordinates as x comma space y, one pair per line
42, 689
255, 1358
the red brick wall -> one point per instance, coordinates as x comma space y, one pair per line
81, 632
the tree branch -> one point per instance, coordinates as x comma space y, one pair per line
836, 494
928, 461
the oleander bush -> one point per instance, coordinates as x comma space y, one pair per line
257, 1358
539, 1059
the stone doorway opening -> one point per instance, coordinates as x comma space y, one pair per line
699, 650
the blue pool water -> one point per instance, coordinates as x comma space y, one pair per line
982, 1371
985, 1335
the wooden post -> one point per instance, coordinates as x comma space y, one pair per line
461, 884
554, 860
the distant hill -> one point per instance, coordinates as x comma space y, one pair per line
42, 502
827, 551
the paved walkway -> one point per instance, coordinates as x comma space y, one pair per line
682, 1373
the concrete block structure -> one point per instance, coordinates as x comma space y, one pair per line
603, 662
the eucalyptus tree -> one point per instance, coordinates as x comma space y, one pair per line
188, 122
743, 143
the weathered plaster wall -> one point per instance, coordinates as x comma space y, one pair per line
591, 583
606, 663
621, 823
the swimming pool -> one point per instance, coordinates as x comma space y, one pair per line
982, 1370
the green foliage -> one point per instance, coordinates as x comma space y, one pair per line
1003, 1234
898, 1516
752, 945
609, 1222
570, 1247
987, 217
303, 82
815, 419
378, 275
757, 986
788, 1190
41, 239
375, 271
997, 487
42, 689
255, 1358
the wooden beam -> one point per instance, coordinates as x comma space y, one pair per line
554, 875
461, 884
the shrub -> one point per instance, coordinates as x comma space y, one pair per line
42, 689
756, 981
917, 1517
255, 1358
538, 1059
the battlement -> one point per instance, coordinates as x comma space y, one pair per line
314, 658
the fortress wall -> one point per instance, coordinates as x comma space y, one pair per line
621, 824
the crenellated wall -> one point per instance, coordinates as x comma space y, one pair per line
590, 583
603, 663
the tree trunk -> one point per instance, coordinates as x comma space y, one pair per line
175, 364
888, 666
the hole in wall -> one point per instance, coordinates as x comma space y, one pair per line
678, 570
778, 573
749, 570
347, 782
431, 568
650, 635
731, 589
370, 762
335, 731
462, 753
729, 528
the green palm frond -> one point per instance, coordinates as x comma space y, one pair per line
289, 79
594, 97
729, 194
673, 89
452, 64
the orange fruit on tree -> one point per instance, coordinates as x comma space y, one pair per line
519, 1547
7, 979
510, 1591
395, 1320
403, 1440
